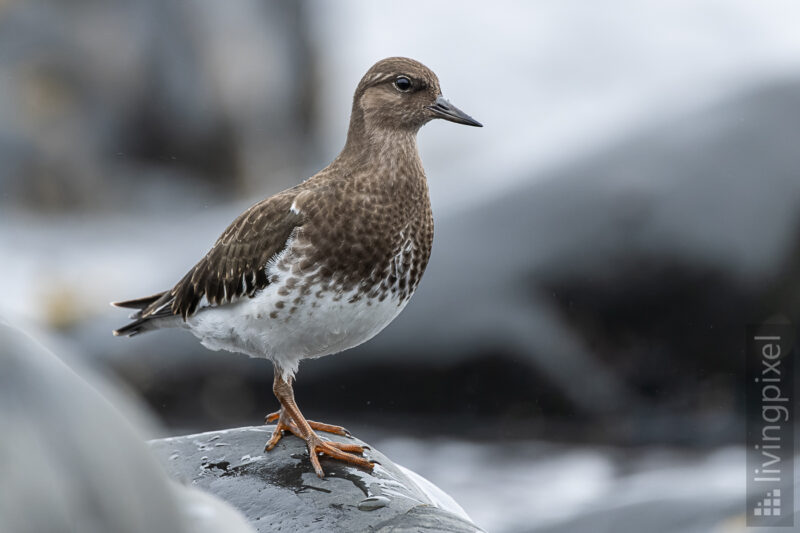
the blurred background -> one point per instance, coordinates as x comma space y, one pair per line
574, 357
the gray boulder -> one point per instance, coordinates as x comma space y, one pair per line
70, 462
279, 490
73, 458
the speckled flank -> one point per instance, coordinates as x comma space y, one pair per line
317, 325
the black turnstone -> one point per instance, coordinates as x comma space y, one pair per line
326, 265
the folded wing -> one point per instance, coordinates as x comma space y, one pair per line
234, 267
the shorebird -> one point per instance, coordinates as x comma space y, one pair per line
323, 266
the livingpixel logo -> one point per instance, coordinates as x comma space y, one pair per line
769, 424
770, 505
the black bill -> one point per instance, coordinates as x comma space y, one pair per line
444, 109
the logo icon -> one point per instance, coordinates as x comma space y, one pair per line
770, 505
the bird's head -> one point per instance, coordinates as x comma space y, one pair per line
400, 93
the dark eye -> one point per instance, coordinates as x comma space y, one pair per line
403, 84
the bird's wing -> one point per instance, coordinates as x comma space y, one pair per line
235, 265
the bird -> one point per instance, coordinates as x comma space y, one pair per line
325, 265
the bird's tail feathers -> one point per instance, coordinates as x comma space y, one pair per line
134, 328
141, 323
138, 303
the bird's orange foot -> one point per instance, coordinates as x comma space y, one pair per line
316, 445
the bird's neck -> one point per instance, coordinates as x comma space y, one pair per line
382, 147
383, 162
377, 144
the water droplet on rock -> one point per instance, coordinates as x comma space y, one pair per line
373, 502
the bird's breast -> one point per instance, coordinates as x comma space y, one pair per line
378, 239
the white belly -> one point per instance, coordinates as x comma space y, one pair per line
289, 328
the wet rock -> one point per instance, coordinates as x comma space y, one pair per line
280, 490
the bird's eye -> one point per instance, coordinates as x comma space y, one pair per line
403, 84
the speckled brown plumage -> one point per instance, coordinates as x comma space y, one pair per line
357, 214
325, 265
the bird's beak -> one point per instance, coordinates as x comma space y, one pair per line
444, 109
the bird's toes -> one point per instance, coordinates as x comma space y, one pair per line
329, 428
347, 447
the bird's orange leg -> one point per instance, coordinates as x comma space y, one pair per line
289, 418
